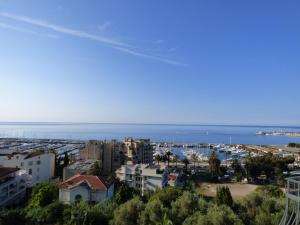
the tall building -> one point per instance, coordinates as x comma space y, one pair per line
109, 154
138, 150
113, 154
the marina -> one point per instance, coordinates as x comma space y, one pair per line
200, 153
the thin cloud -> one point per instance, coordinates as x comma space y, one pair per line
104, 26
62, 29
15, 28
160, 41
23, 30
133, 52
172, 49
115, 44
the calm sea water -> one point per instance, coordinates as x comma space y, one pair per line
166, 133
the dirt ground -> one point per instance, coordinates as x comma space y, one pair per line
238, 190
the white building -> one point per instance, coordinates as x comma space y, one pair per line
142, 177
39, 166
89, 188
12, 186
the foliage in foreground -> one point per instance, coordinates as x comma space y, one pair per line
168, 206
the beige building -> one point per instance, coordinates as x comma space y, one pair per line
139, 150
113, 154
109, 154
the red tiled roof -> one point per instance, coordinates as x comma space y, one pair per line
94, 182
4, 171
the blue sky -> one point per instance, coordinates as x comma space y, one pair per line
171, 61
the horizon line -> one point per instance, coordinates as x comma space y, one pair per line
145, 123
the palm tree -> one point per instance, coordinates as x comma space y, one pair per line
214, 164
194, 159
158, 158
186, 162
168, 153
175, 159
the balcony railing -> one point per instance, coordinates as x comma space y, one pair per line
293, 186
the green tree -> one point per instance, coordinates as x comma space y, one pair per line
158, 158
214, 165
186, 162
123, 192
128, 213
216, 215
43, 194
175, 160
66, 159
13, 217
95, 169
166, 195
194, 159
58, 168
168, 154
153, 213
223, 196
238, 169
184, 206
220, 215
54, 213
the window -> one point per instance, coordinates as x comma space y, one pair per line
38, 162
30, 163
37, 178
30, 171
37, 169
22, 164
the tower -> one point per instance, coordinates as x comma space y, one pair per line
291, 214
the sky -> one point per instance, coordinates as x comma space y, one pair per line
139, 61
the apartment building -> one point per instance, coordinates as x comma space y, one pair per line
109, 154
142, 177
12, 186
39, 165
138, 150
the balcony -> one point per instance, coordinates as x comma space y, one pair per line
293, 188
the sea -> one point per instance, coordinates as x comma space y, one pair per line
213, 134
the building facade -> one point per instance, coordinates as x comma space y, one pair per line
142, 177
109, 154
39, 165
12, 186
92, 189
138, 150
